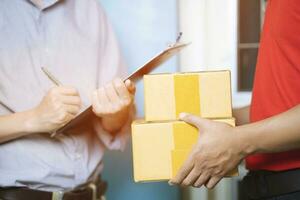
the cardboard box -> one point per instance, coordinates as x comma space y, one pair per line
207, 94
160, 148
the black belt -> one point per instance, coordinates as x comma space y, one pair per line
92, 191
264, 184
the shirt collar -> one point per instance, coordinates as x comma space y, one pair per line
43, 4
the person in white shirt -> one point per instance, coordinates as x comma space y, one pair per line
75, 42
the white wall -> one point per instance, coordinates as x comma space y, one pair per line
211, 26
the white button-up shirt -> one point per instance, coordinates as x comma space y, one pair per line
75, 42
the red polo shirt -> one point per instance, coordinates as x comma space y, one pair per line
277, 77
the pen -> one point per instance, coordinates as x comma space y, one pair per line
55, 81
51, 77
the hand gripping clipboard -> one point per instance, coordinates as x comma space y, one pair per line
156, 61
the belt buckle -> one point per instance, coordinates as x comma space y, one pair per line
94, 190
59, 195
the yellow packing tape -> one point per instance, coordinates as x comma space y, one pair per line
184, 135
186, 93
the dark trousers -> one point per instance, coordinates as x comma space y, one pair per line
266, 185
292, 196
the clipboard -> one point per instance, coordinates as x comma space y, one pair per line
153, 63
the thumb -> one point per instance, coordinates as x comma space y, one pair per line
130, 86
194, 120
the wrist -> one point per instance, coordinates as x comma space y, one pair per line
245, 141
115, 122
112, 124
30, 121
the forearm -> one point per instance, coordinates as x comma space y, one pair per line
242, 115
275, 134
15, 125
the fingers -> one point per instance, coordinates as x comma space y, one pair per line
202, 179
65, 99
111, 93
68, 110
68, 90
123, 93
198, 122
65, 117
191, 178
213, 182
72, 109
102, 97
100, 101
66, 95
183, 171
130, 86
113, 98
121, 88
71, 100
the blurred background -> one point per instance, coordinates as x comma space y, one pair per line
224, 35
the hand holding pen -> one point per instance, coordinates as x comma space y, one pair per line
60, 105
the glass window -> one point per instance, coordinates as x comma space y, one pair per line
251, 14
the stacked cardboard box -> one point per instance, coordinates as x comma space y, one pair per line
161, 143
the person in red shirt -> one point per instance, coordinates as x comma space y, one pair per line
268, 132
